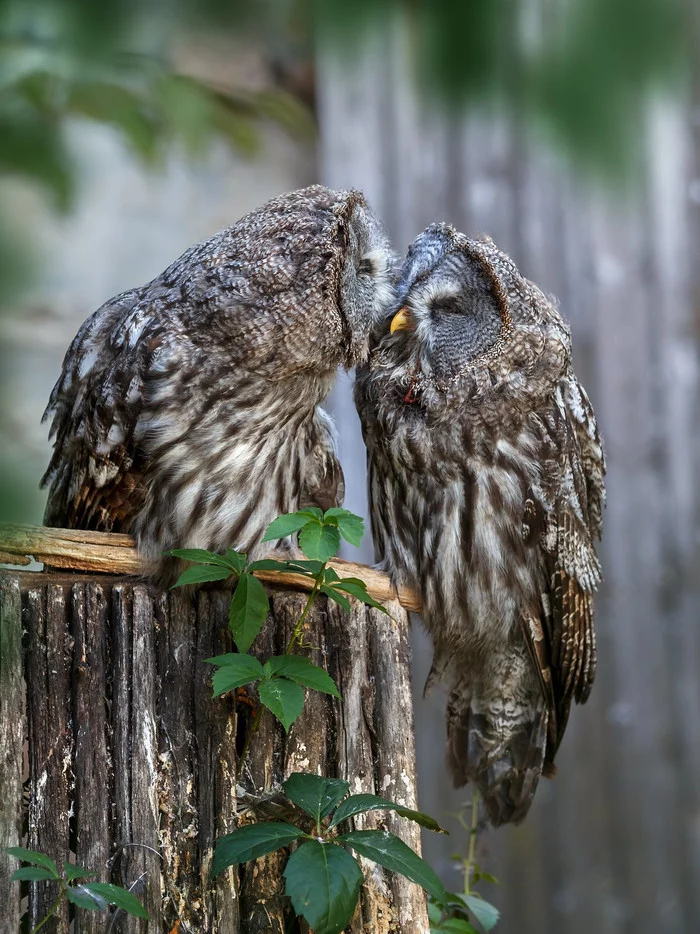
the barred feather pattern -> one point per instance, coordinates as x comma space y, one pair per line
187, 410
486, 493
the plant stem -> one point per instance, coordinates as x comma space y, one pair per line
300, 624
53, 910
296, 633
469, 865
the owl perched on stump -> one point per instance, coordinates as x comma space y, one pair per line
486, 489
187, 411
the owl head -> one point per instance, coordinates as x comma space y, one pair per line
462, 306
317, 267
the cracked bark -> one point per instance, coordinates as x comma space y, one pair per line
132, 763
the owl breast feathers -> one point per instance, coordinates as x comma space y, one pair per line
486, 490
187, 411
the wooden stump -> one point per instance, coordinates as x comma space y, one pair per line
132, 764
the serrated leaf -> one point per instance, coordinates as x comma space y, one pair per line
249, 609
315, 794
283, 698
302, 670
319, 542
36, 858
236, 671
201, 556
283, 526
350, 526
313, 512
201, 573
76, 872
116, 895
358, 589
252, 841
32, 874
84, 898
386, 849
336, 597
358, 804
323, 881
486, 914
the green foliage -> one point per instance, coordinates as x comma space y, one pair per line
357, 804
389, 851
283, 698
91, 896
323, 882
251, 842
315, 794
459, 912
581, 70
322, 879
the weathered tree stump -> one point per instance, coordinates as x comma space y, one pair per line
114, 754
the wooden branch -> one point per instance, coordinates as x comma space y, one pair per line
111, 553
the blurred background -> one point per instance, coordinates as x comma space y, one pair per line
568, 130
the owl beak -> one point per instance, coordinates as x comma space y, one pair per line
402, 321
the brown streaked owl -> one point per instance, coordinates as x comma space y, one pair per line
187, 411
486, 489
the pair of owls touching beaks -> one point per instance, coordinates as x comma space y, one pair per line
187, 412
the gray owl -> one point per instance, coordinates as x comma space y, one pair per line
187, 411
486, 490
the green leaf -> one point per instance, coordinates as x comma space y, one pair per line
313, 512
252, 841
285, 525
201, 573
386, 849
313, 568
319, 542
32, 874
330, 576
236, 559
351, 527
36, 858
486, 914
116, 895
283, 698
236, 671
86, 899
269, 564
249, 609
303, 671
358, 589
76, 872
315, 794
336, 596
200, 556
323, 882
357, 804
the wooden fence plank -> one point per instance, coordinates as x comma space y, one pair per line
13, 727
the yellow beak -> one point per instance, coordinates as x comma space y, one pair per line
402, 321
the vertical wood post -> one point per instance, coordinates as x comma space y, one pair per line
132, 764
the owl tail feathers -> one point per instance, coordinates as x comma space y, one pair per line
503, 758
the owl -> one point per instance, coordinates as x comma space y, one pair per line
187, 411
486, 489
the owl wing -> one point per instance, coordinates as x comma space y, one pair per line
95, 475
323, 481
565, 515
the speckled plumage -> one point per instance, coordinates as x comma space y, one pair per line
486, 490
187, 410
